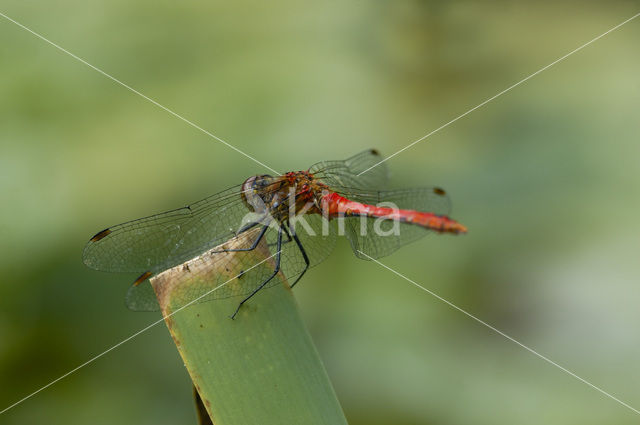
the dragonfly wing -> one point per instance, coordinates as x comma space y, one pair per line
317, 237
427, 199
221, 274
378, 238
214, 274
347, 172
141, 297
164, 240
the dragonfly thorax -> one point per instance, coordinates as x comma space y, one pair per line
284, 195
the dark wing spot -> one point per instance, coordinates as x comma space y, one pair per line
186, 268
100, 235
144, 276
439, 191
375, 152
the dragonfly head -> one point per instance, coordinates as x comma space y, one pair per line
255, 191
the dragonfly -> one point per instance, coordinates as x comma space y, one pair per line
295, 217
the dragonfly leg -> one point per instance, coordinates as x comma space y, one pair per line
247, 227
304, 255
267, 280
289, 240
253, 245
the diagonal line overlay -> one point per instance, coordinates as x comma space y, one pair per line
180, 117
91, 360
274, 171
532, 351
502, 92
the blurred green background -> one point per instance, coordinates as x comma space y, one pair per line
545, 177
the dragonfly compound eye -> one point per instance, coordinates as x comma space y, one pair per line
253, 192
248, 192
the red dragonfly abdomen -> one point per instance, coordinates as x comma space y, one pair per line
336, 205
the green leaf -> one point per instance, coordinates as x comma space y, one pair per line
261, 368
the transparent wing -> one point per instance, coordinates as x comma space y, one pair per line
216, 273
317, 237
164, 240
221, 274
346, 173
427, 199
378, 238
